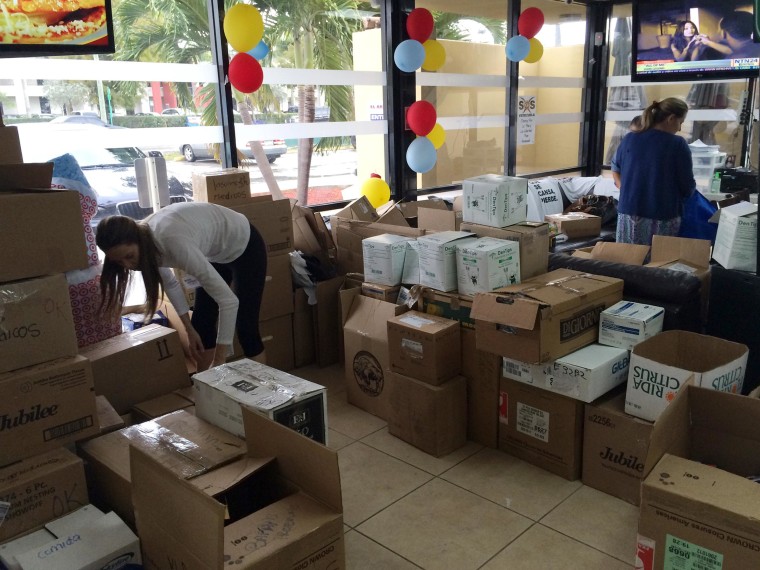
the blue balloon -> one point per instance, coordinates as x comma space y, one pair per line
409, 55
420, 156
518, 48
260, 51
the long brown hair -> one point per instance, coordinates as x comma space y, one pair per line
659, 111
121, 230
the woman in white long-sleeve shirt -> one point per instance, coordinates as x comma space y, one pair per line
217, 246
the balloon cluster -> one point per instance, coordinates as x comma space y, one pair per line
419, 50
526, 47
421, 154
244, 28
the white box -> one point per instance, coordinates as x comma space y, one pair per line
487, 264
411, 273
438, 258
736, 241
625, 324
589, 372
384, 258
495, 200
533, 374
661, 365
286, 399
86, 539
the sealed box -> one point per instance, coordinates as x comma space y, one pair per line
277, 336
297, 522
661, 364
525, 372
431, 418
541, 427
482, 372
545, 317
36, 324
411, 273
625, 324
576, 224
387, 293
272, 219
438, 258
274, 302
424, 346
495, 200
46, 406
221, 392
487, 264
225, 187
39, 488
736, 241
185, 444
384, 258
137, 366
589, 373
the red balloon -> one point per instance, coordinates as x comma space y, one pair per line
419, 24
245, 73
421, 117
530, 21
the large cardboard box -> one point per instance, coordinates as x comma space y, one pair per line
327, 322
411, 273
495, 200
367, 363
625, 324
438, 258
277, 336
545, 317
661, 364
487, 264
40, 488
482, 372
431, 418
46, 406
42, 230
541, 427
448, 305
534, 374
272, 219
303, 330
736, 241
699, 508
435, 216
387, 293
276, 302
137, 366
287, 514
36, 323
227, 186
185, 444
221, 392
576, 224
425, 347
384, 258
589, 373
10, 146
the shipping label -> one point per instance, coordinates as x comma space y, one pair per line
683, 555
532, 421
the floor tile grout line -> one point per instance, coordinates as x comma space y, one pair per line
389, 549
587, 544
389, 505
533, 523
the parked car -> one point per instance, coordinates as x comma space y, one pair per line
92, 120
273, 148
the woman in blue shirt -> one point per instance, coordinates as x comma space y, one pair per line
655, 171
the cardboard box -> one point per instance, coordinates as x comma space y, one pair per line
660, 365
589, 373
625, 324
303, 330
367, 361
736, 241
327, 322
45, 406
424, 347
615, 447
49, 225
435, 216
431, 418
36, 324
85, 539
40, 488
495, 200
525, 372
137, 366
277, 336
299, 522
698, 506
276, 300
384, 258
359, 209
487, 264
545, 317
411, 273
576, 224
160, 406
541, 427
185, 444
221, 392
228, 186
482, 372
438, 258
272, 219
108, 419
10, 145
628, 253
387, 293
448, 305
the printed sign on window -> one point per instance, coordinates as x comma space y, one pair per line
526, 120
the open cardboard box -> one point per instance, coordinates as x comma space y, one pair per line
276, 507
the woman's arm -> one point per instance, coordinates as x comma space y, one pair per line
705, 41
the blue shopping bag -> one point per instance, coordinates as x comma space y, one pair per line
697, 210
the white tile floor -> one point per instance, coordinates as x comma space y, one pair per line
475, 508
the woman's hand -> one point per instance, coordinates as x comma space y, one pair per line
195, 344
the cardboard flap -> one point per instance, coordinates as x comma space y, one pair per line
360, 209
692, 251
505, 309
30, 175
432, 204
226, 476
671, 433
309, 465
393, 216
164, 501
10, 145
631, 254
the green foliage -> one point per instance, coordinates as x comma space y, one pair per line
148, 121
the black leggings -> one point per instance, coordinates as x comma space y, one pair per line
246, 276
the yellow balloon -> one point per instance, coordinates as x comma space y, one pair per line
377, 191
437, 136
435, 55
535, 52
243, 27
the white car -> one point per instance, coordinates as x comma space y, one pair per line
273, 148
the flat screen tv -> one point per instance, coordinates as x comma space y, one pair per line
55, 27
688, 40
